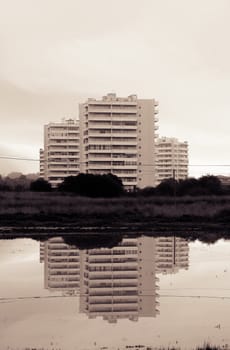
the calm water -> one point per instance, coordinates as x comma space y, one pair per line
146, 291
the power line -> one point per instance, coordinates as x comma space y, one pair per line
189, 165
20, 158
4, 300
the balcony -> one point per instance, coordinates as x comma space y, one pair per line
115, 268
124, 141
114, 310
91, 150
94, 158
99, 109
113, 260
98, 141
124, 133
124, 127
101, 126
112, 301
64, 137
113, 285
64, 170
115, 117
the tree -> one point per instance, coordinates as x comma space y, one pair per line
91, 185
147, 191
167, 187
40, 185
210, 184
189, 187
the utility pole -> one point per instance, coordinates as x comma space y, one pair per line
174, 186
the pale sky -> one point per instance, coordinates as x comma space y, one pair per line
57, 53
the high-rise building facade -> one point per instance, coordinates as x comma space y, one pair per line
60, 157
117, 135
171, 159
113, 135
41, 162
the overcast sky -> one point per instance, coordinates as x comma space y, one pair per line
56, 53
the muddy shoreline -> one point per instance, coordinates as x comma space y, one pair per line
42, 227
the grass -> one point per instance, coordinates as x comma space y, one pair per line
47, 209
43, 203
202, 347
40, 203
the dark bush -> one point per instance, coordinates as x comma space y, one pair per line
90, 185
211, 184
168, 187
188, 186
40, 185
147, 191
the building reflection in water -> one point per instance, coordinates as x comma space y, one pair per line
172, 254
120, 282
114, 283
61, 266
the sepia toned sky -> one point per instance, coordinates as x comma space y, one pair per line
56, 53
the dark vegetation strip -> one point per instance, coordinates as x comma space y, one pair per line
202, 347
89, 220
89, 240
30, 208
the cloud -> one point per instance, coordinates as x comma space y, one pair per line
55, 54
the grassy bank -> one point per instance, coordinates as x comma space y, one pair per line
52, 209
53, 203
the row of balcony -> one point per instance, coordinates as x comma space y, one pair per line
112, 252
118, 141
113, 301
122, 149
58, 285
114, 310
111, 133
113, 285
95, 127
64, 266
110, 277
113, 117
111, 260
103, 269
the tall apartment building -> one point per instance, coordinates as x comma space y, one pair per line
120, 282
60, 157
41, 163
171, 159
118, 136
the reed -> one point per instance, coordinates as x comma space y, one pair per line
32, 203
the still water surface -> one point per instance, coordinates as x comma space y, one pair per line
145, 291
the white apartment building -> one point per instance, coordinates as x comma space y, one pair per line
41, 163
61, 151
118, 136
120, 282
61, 265
171, 159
